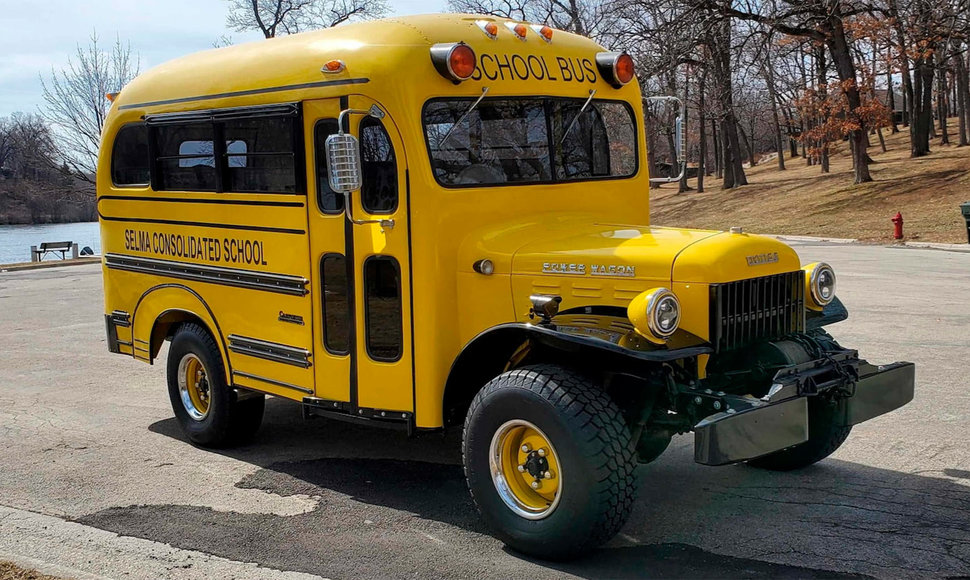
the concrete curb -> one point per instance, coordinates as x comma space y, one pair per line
813, 239
41, 265
67, 549
934, 246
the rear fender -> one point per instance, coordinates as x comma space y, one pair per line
160, 307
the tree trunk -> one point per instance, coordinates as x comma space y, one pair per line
942, 106
701, 116
730, 145
748, 148
716, 141
844, 65
822, 146
773, 95
960, 76
922, 122
891, 97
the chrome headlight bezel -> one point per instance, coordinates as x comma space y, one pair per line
814, 283
654, 308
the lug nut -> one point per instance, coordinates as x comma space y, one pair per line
541, 452
547, 475
535, 485
698, 400
521, 468
526, 449
717, 405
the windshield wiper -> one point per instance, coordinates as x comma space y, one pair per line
582, 110
463, 115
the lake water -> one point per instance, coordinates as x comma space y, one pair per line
15, 241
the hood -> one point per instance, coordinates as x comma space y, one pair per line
652, 253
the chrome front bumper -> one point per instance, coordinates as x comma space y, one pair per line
752, 428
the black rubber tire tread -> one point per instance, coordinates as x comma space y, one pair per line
597, 426
824, 437
230, 422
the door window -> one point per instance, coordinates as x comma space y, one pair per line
378, 192
328, 200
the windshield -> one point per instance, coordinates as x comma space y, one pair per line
529, 140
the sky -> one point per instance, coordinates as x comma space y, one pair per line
39, 35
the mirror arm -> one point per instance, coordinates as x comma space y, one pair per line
385, 223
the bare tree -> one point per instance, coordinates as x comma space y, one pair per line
75, 101
278, 17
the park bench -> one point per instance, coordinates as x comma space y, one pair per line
39, 253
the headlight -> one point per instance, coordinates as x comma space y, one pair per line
655, 314
821, 283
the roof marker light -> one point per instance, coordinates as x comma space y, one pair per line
543, 31
455, 61
489, 28
333, 66
518, 29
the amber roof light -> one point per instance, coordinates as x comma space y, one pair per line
454, 60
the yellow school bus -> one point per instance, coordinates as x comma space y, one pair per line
443, 222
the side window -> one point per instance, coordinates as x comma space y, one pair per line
382, 308
378, 193
336, 308
130, 160
327, 199
186, 160
259, 153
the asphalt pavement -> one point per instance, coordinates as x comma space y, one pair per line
96, 480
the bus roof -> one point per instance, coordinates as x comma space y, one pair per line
378, 50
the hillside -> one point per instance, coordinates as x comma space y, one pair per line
803, 201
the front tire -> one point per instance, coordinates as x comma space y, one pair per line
549, 461
825, 435
205, 406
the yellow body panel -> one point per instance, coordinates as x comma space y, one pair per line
532, 233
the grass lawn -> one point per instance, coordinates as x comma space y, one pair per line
804, 201
9, 571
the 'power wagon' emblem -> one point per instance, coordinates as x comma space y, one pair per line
594, 270
759, 259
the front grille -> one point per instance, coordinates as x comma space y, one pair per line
759, 308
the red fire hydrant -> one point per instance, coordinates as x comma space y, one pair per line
898, 226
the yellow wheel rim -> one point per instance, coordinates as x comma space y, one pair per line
194, 388
525, 469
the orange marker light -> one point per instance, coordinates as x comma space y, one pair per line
545, 32
520, 30
333, 66
491, 29
111, 97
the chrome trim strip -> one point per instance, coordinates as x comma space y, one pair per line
313, 85
269, 282
267, 350
268, 381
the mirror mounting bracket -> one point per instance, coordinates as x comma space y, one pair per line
342, 135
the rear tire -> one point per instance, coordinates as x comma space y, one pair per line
825, 435
588, 495
207, 409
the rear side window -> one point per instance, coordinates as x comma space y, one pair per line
186, 158
259, 155
336, 304
130, 161
378, 192
382, 308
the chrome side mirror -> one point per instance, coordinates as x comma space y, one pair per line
343, 163
680, 138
